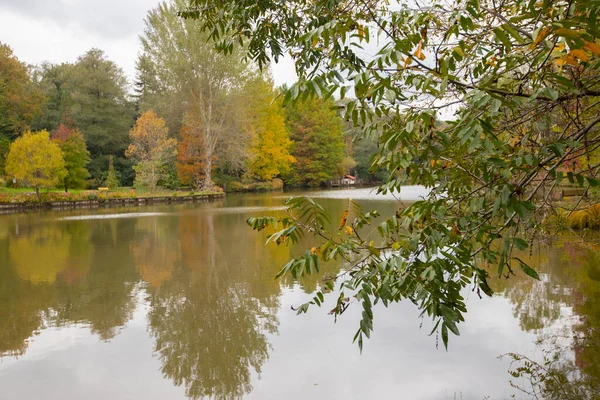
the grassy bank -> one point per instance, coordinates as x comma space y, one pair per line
28, 195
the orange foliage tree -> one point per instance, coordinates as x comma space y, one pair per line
190, 158
152, 148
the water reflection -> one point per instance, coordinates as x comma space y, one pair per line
210, 308
563, 309
202, 284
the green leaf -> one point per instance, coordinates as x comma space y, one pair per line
527, 269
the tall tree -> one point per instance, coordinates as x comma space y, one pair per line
270, 141
55, 82
76, 156
35, 160
93, 94
178, 70
152, 148
20, 101
317, 132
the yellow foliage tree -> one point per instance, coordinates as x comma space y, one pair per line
270, 151
36, 161
152, 148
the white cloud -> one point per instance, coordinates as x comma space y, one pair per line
59, 31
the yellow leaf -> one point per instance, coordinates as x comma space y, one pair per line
582, 55
344, 219
567, 32
407, 62
541, 35
349, 230
419, 53
592, 47
313, 250
567, 59
558, 49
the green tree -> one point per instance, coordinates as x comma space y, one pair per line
185, 80
35, 160
20, 100
270, 144
55, 82
517, 83
76, 156
152, 148
317, 133
93, 95
111, 181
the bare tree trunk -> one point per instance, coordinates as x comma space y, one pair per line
207, 184
153, 177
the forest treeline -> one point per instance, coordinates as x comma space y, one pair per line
193, 117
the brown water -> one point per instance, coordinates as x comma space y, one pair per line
175, 302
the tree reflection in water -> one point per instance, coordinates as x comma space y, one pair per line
563, 309
211, 319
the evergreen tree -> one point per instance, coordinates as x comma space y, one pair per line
111, 181
92, 93
318, 135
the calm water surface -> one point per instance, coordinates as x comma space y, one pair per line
176, 302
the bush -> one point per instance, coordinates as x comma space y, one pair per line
2, 182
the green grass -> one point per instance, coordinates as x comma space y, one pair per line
139, 192
6, 190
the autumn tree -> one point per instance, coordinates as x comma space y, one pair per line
179, 70
20, 101
317, 132
151, 148
75, 154
270, 143
190, 158
36, 161
4, 149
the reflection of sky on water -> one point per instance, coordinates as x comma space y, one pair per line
207, 304
407, 193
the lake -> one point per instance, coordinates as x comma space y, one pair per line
180, 301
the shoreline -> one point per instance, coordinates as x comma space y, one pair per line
8, 208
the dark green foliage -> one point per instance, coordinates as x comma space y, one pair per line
317, 132
365, 150
92, 95
76, 156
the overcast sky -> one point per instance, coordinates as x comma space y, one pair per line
61, 30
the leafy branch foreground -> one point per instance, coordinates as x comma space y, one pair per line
489, 104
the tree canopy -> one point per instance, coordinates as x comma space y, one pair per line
516, 83
317, 132
92, 94
151, 147
20, 101
184, 79
36, 160
75, 154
